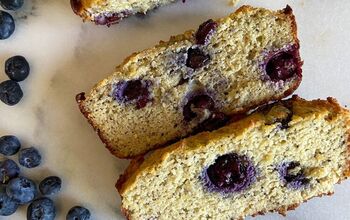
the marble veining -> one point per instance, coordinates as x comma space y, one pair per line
68, 57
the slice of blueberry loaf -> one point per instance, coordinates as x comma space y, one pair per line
107, 12
196, 81
272, 160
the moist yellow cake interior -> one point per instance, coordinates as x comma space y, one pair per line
233, 77
168, 184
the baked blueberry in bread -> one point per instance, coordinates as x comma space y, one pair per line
196, 81
107, 12
272, 160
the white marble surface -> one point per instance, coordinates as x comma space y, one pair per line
68, 56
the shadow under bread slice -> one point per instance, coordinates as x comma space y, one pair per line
196, 81
270, 161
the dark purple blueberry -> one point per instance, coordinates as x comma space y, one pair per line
285, 121
200, 102
78, 213
205, 31
10, 92
293, 180
230, 173
9, 145
136, 91
215, 121
50, 185
21, 189
111, 18
17, 68
76, 6
29, 157
196, 58
11, 4
8, 206
8, 170
7, 25
41, 209
284, 65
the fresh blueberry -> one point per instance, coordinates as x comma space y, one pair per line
41, 209
195, 104
17, 68
196, 58
230, 173
8, 206
8, 170
11, 4
7, 25
9, 145
21, 189
78, 213
284, 65
292, 175
10, 92
29, 157
205, 31
133, 91
50, 185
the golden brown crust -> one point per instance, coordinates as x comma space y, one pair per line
126, 213
78, 8
347, 171
188, 36
133, 166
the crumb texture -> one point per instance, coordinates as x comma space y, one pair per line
153, 97
313, 142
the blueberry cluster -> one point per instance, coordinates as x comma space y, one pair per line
16, 190
7, 23
17, 67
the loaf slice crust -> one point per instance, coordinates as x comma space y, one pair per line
296, 150
107, 12
195, 81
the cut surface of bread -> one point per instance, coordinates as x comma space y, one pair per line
196, 80
272, 160
107, 12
